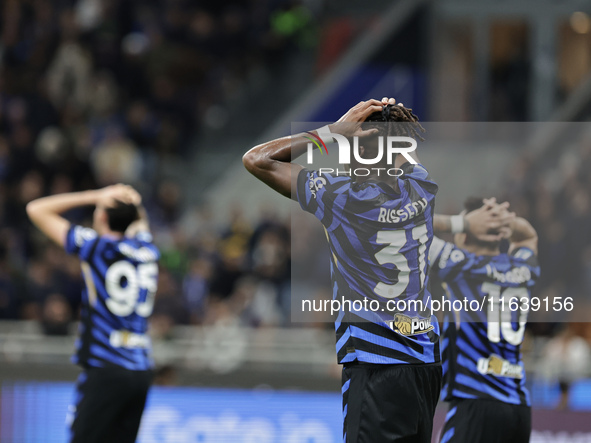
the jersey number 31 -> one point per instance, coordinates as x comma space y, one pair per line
396, 240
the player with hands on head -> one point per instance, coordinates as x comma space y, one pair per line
120, 270
271, 162
488, 223
484, 376
46, 212
391, 374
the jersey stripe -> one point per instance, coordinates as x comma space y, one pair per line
467, 349
100, 322
353, 215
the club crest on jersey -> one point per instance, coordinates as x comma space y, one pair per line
315, 184
405, 325
82, 235
495, 365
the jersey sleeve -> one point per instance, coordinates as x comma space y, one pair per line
144, 236
323, 195
524, 256
448, 261
415, 183
80, 241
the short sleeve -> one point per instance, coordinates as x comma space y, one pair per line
448, 261
323, 195
80, 240
144, 236
523, 256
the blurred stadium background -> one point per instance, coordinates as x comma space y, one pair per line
167, 95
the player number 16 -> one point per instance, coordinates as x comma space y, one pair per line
499, 319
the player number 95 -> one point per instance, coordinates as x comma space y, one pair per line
124, 298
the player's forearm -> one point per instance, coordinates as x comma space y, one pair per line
285, 150
401, 160
522, 230
45, 212
57, 204
140, 225
449, 223
523, 234
271, 163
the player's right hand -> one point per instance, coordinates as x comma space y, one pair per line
120, 192
349, 124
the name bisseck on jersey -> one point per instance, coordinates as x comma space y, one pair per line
408, 212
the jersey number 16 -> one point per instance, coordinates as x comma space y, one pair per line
499, 313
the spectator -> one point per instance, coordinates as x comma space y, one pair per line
56, 315
566, 358
93, 93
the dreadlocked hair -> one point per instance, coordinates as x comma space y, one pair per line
407, 122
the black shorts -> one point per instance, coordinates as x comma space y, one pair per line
486, 421
109, 405
389, 403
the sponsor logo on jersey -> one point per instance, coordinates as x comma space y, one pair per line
497, 366
129, 340
405, 325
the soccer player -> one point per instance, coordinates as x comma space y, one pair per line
119, 266
379, 229
484, 377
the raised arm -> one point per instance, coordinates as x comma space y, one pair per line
45, 212
271, 162
523, 234
486, 223
454, 224
140, 225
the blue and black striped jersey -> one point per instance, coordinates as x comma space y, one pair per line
379, 242
481, 341
120, 276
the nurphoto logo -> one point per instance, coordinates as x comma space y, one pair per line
387, 149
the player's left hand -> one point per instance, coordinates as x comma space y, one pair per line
390, 101
119, 192
349, 124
